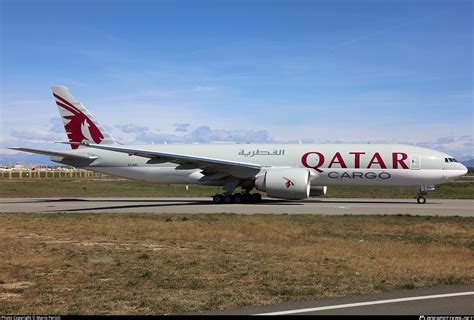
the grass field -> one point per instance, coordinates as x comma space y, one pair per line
154, 264
127, 188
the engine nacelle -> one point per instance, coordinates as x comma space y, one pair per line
291, 184
318, 191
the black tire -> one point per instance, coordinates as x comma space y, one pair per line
228, 199
256, 197
238, 198
246, 197
421, 200
218, 199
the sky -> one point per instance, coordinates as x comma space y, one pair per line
394, 71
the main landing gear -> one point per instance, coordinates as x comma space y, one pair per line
239, 197
421, 198
245, 197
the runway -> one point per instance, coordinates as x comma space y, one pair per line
443, 300
332, 206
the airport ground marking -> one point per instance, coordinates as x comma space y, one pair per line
367, 303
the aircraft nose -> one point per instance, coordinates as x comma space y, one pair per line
463, 170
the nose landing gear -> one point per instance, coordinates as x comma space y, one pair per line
421, 199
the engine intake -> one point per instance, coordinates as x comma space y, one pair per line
291, 184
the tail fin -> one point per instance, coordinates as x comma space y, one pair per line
79, 124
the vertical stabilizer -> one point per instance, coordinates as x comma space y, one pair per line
79, 123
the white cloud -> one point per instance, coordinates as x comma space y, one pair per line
35, 134
460, 147
204, 89
205, 134
181, 127
131, 128
175, 122
56, 125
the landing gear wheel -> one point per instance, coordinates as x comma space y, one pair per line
256, 197
238, 198
246, 197
218, 198
421, 200
228, 198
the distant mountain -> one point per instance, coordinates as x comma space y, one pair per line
468, 163
25, 158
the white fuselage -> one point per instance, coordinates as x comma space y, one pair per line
332, 164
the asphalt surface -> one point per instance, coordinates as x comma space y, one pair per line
433, 207
443, 300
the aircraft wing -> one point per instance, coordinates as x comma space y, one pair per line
56, 153
208, 165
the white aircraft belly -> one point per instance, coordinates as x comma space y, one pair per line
332, 177
152, 174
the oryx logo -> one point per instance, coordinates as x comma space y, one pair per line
78, 126
288, 182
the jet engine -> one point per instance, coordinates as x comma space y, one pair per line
318, 191
291, 184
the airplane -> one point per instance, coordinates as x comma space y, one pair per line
284, 171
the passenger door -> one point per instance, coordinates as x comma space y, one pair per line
415, 162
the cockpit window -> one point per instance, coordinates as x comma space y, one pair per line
450, 160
